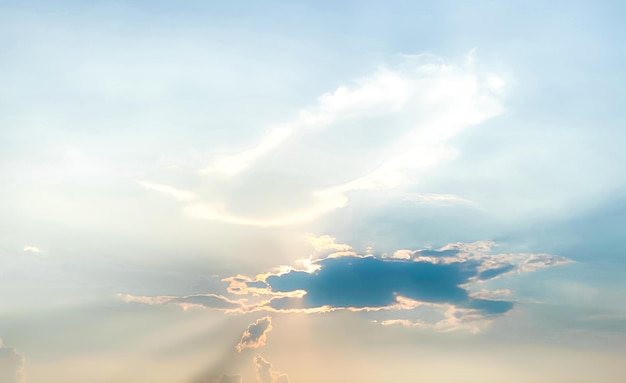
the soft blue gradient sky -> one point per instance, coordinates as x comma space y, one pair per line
163, 162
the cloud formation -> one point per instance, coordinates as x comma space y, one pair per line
256, 334
408, 285
186, 302
11, 365
253, 337
426, 99
445, 285
265, 373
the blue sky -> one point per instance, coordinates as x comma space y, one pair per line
312, 191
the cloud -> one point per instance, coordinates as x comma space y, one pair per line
436, 280
427, 100
176, 193
253, 337
256, 334
11, 365
445, 285
265, 373
32, 249
188, 301
326, 242
236, 163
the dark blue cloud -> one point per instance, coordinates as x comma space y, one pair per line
356, 282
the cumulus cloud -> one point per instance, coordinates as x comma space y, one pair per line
256, 334
265, 373
428, 100
11, 365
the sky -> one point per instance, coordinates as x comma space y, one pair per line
274, 192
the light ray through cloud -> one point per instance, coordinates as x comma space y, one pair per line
305, 192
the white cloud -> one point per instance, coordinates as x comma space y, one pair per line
32, 249
454, 319
176, 193
323, 203
186, 302
326, 242
491, 294
430, 99
236, 163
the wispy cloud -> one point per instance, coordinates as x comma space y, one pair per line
32, 249
236, 163
176, 193
429, 100
186, 302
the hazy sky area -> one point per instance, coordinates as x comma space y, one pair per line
304, 192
